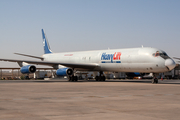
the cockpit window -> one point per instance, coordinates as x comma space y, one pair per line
161, 54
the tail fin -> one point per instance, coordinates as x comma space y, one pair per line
47, 49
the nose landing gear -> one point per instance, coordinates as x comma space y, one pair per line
155, 79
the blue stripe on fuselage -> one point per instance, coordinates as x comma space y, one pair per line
110, 61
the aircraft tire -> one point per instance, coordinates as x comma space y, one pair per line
70, 79
97, 78
100, 78
75, 78
156, 81
103, 78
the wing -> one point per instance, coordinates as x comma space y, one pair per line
30, 56
88, 66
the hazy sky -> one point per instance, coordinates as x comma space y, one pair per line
78, 25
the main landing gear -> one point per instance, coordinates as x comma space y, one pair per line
154, 81
101, 77
73, 78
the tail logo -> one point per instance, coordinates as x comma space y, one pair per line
44, 42
47, 49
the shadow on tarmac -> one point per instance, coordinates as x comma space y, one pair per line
117, 80
83, 81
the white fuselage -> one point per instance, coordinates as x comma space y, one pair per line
116, 60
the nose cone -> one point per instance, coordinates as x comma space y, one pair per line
170, 64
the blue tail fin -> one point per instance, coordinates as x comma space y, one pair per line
47, 49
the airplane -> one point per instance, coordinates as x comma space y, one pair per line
141, 60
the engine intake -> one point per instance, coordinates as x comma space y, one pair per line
28, 69
64, 72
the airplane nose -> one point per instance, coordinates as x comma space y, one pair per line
170, 64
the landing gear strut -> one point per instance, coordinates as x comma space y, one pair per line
101, 77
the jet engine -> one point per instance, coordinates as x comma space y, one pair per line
28, 69
64, 72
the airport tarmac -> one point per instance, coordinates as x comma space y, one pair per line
109, 100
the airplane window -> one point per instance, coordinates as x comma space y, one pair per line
156, 54
164, 55
161, 54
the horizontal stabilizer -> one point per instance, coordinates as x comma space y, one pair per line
29, 56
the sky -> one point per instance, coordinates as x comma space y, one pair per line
80, 25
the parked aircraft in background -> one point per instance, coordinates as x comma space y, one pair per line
142, 60
131, 75
134, 75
